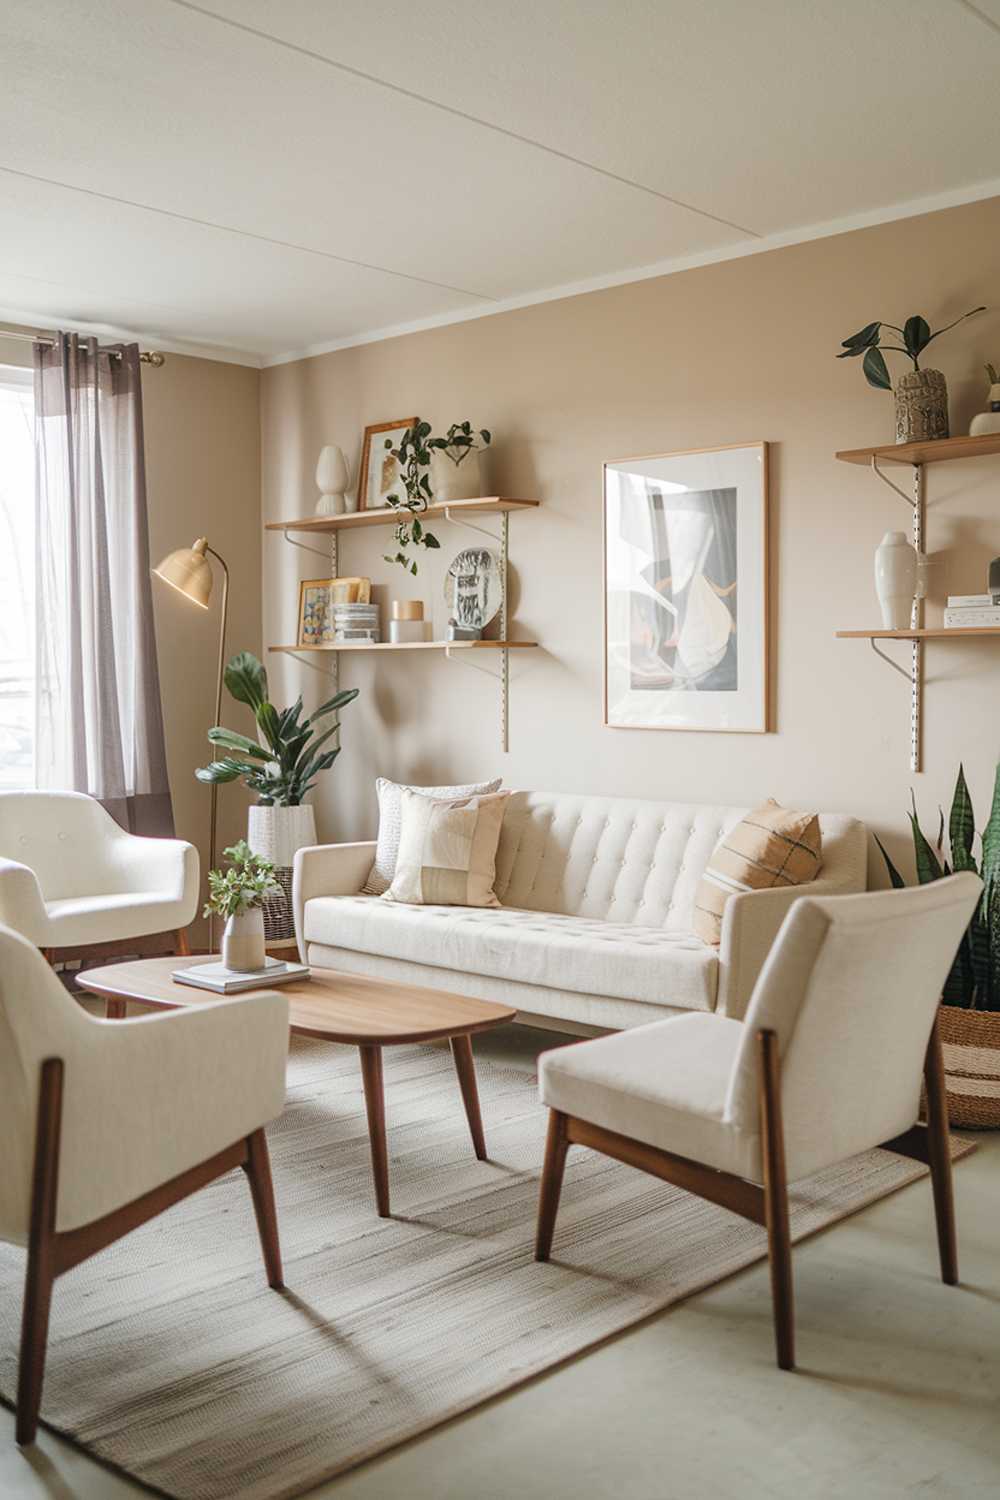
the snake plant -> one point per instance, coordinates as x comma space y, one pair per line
974, 980
282, 766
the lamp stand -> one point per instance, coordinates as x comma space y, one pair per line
214, 812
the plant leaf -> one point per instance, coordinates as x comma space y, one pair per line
928, 868
961, 826
895, 879
230, 740
876, 371
219, 771
430, 540
962, 319
267, 718
246, 680
863, 339
916, 335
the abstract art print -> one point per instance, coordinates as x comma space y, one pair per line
685, 551
378, 473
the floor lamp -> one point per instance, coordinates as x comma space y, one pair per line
190, 573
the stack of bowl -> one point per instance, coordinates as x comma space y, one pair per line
355, 622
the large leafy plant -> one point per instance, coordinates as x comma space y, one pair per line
413, 455
915, 335
974, 981
282, 765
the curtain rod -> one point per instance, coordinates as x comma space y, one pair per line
147, 357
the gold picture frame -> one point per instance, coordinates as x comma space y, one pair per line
317, 596
374, 479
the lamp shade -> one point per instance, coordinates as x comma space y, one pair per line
189, 571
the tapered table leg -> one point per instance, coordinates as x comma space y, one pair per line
115, 1009
465, 1067
371, 1073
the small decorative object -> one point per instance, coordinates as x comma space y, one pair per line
412, 456
318, 597
379, 472
407, 624
896, 580
356, 622
969, 1018
332, 479
988, 420
455, 462
473, 592
281, 766
238, 895
921, 395
686, 590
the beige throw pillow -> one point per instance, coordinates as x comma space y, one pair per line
447, 850
390, 798
771, 846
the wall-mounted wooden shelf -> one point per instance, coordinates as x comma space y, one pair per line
939, 634
450, 510
935, 452
412, 646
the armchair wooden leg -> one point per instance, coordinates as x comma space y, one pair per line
939, 1158
779, 1242
41, 1269
258, 1170
556, 1146
182, 948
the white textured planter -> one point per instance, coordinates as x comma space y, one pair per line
243, 941
276, 833
451, 481
895, 580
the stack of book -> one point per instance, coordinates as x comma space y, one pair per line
215, 976
966, 611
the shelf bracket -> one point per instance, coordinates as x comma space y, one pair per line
504, 674
891, 482
305, 547
473, 526
915, 676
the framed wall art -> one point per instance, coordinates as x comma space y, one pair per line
686, 598
379, 473
317, 596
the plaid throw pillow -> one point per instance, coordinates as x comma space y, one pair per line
447, 850
769, 847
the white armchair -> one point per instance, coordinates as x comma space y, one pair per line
105, 1125
827, 1063
75, 883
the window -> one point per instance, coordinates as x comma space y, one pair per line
17, 579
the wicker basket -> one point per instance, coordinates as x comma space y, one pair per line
971, 1042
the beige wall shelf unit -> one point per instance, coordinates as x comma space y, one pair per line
917, 455
460, 513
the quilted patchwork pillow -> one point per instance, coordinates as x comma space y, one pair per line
447, 850
769, 847
390, 812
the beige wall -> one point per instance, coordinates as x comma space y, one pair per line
203, 477
721, 354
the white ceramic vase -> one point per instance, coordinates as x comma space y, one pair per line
243, 941
276, 833
332, 479
989, 420
895, 580
452, 481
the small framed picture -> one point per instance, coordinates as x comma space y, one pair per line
317, 596
379, 473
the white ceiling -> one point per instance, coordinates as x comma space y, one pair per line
265, 179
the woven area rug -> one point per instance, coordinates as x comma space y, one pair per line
171, 1360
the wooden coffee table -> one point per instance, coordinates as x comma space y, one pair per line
365, 1013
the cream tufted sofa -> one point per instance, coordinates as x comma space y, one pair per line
595, 926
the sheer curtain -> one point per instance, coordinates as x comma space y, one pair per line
99, 722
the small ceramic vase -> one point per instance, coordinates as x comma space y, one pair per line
243, 941
989, 420
332, 479
895, 580
452, 481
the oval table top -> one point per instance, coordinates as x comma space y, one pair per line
338, 1007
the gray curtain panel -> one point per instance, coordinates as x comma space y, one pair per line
99, 719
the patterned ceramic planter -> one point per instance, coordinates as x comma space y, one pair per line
921, 406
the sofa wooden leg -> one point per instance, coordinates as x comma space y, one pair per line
41, 1269
779, 1241
258, 1169
556, 1146
939, 1158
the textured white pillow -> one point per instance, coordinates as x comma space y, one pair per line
448, 850
390, 822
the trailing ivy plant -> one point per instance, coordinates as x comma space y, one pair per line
915, 335
412, 455
974, 980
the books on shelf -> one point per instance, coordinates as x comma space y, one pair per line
968, 617
215, 976
971, 601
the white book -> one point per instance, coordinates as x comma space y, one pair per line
970, 601
969, 619
215, 976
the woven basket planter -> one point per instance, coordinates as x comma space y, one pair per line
971, 1042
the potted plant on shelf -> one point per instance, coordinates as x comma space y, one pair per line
412, 455
456, 471
238, 896
921, 395
281, 766
969, 1018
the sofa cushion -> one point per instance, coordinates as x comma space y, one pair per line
447, 850
770, 847
664, 1084
390, 816
622, 960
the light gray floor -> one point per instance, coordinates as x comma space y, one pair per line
897, 1394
